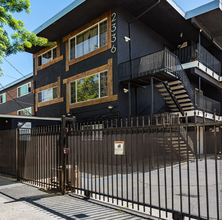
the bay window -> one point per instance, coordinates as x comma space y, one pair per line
91, 87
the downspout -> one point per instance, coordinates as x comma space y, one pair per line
130, 46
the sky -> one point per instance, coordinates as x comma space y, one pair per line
41, 11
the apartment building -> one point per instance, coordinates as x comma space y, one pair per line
16, 98
126, 58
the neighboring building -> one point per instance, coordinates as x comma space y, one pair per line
113, 60
17, 97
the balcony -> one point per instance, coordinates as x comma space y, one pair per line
206, 104
200, 54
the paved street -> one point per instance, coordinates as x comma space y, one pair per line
21, 201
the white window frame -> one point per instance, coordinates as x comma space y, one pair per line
45, 53
52, 94
26, 110
97, 24
27, 91
5, 97
83, 78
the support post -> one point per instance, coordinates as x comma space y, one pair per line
63, 143
199, 84
152, 98
17, 153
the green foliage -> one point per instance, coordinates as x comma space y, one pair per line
21, 37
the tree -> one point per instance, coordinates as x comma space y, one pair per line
21, 37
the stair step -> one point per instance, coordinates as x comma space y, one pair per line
174, 82
159, 85
188, 108
170, 102
181, 96
179, 91
176, 87
165, 94
162, 90
175, 109
186, 104
172, 106
168, 98
184, 100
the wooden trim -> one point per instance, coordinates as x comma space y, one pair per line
67, 55
110, 77
94, 102
47, 87
36, 65
58, 48
59, 86
54, 101
51, 62
87, 73
88, 55
109, 43
36, 101
44, 50
91, 23
67, 99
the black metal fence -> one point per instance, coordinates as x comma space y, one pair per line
163, 168
198, 52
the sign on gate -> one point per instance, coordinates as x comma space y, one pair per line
119, 148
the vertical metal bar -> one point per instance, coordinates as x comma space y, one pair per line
103, 158
121, 125
107, 159
197, 174
188, 174
158, 172
137, 163
150, 165
63, 156
131, 150
180, 178
143, 158
126, 155
99, 157
117, 179
129, 97
216, 172
172, 186
87, 153
206, 172
94, 152
91, 152
17, 153
112, 164
152, 97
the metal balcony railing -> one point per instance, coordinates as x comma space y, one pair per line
207, 104
162, 61
198, 52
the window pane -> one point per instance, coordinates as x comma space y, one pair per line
47, 95
19, 91
3, 98
47, 57
73, 92
88, 88
40, 97
87, 42
39, 60
24, 89
55, 93
103, 33
1, 101
54, 53
103, 84
72, 49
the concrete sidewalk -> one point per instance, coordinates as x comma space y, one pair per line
21, 201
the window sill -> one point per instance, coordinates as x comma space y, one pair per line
54, 101
88, 55
94, 102
51, 62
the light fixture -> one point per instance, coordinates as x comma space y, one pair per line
110, 107
181, 34
6, 121
127, 39
125, 90
201, 30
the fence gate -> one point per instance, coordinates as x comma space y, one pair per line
167, 170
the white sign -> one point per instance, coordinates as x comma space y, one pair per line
119, 148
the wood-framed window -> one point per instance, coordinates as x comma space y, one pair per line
24, 89
89, 40
25, 111
48, 95
90, 88
3, 98
47, 57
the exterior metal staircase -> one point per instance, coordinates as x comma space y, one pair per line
179, 143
